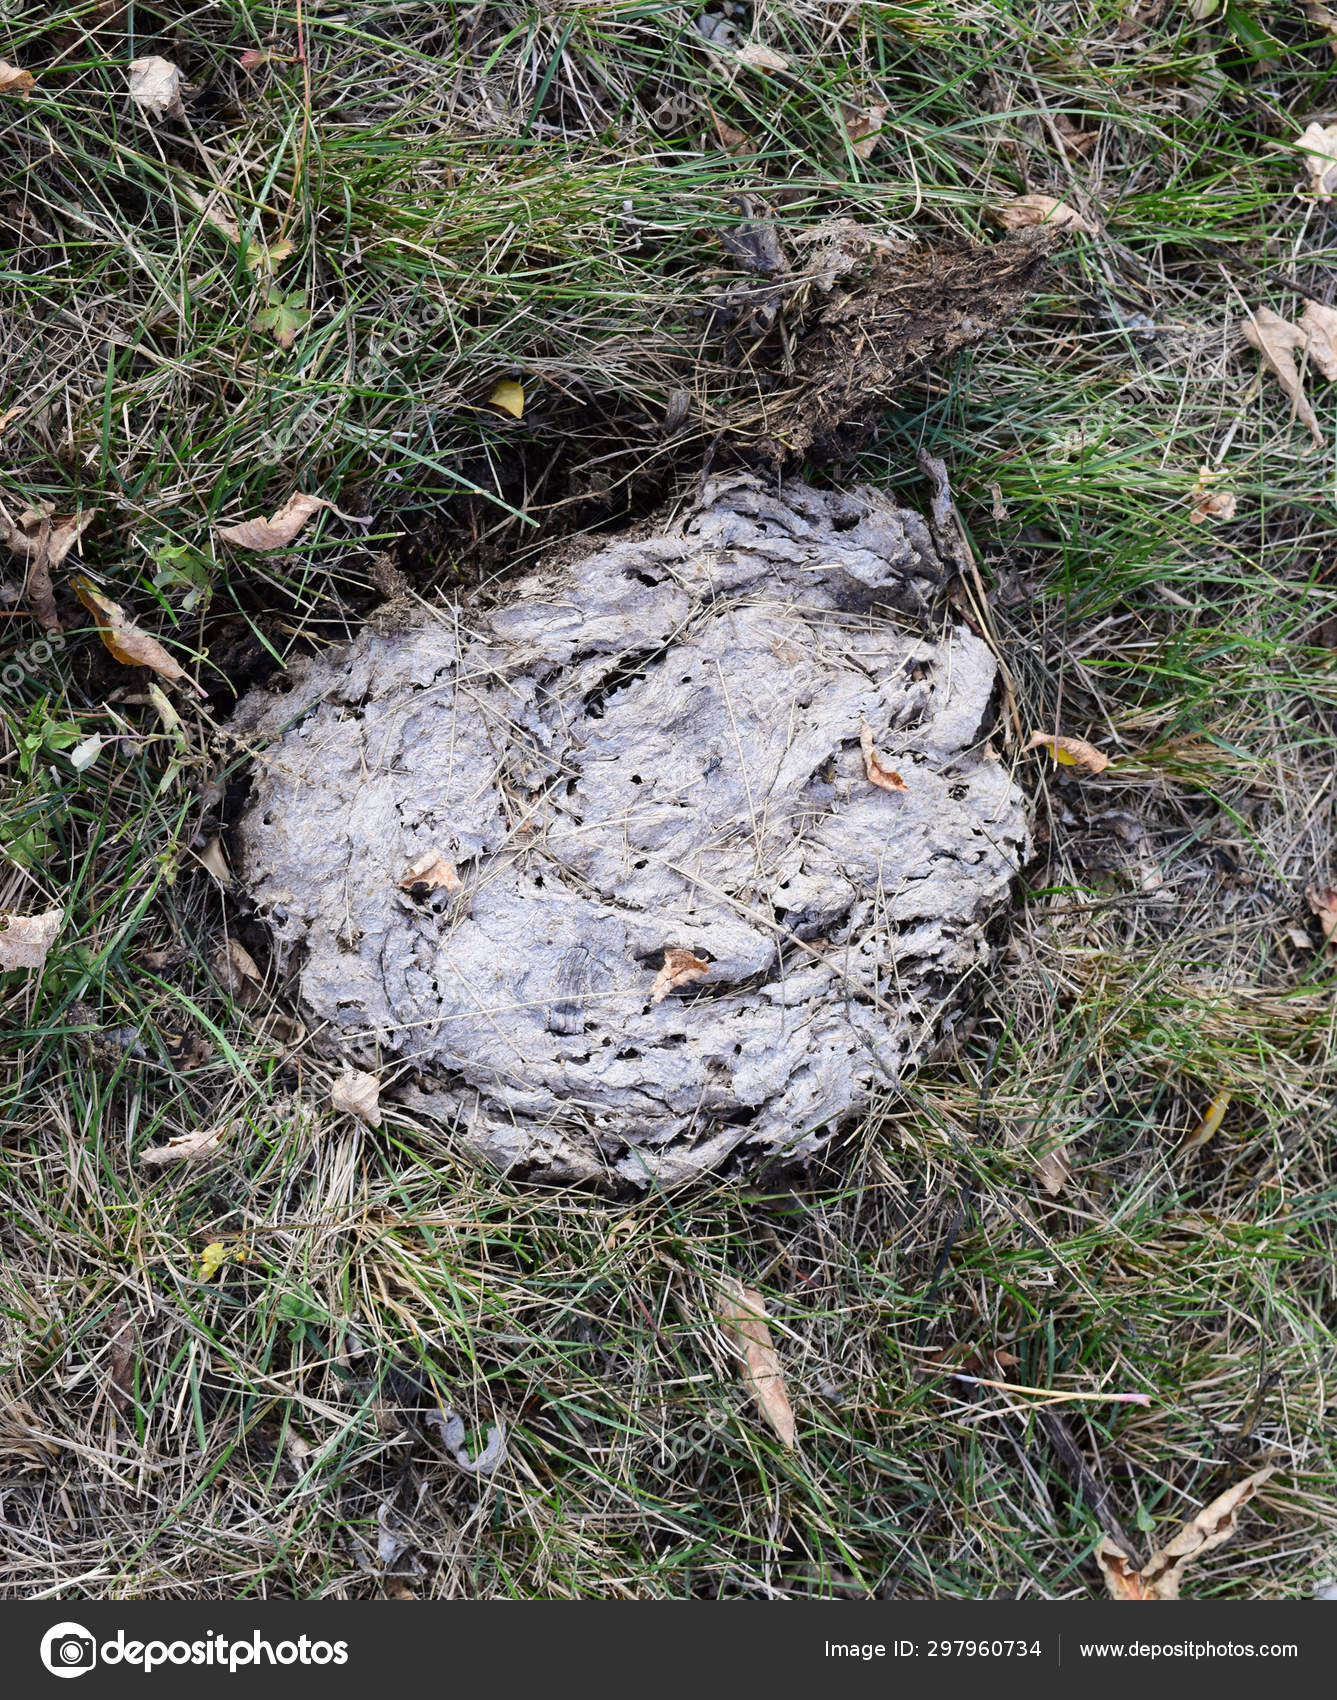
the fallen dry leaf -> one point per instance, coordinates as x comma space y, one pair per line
431, 869
281, 528
26, 939
876, 773
14, 81
125, 641
215, 862
680, 968
358, 1094
731, 140
1324, 19
43, 538
1055, 1170
1208, 502
155, 87
1123, 1580
1077, 143
1275, 339
743, 1313
238, 973
864, 128
762, 58
1024, 211
508, 397
1141, 14
1318, 145
1160, 1576
195, 1147
1323, 902
1319, 324
189, 1049
120, 1358
1070, 752
1213, 1116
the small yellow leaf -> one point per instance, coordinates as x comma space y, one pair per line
1214, 1115
267, 256
509, 396
212, 1259
1070, 752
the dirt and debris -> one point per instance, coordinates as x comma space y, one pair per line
856, 316
809, 332
648, 758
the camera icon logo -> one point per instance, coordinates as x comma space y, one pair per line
68, 1650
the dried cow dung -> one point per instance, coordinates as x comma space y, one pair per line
686, 927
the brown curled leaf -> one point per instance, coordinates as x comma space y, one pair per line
15, 81
1160, 1577
120, 1358
1319, 324
1323, 902
865, 127
1024, 212
26, 939
43, 538
680, 968
1276, 340
877, 774
130, 646
1318, 145
743, 1313
197, 1146
357, 1093
1070, 752
238, 973
432, 869
280, 528
1208, 501
155, 87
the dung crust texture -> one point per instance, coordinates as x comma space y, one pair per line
653, 749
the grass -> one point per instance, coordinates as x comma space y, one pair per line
479, 192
